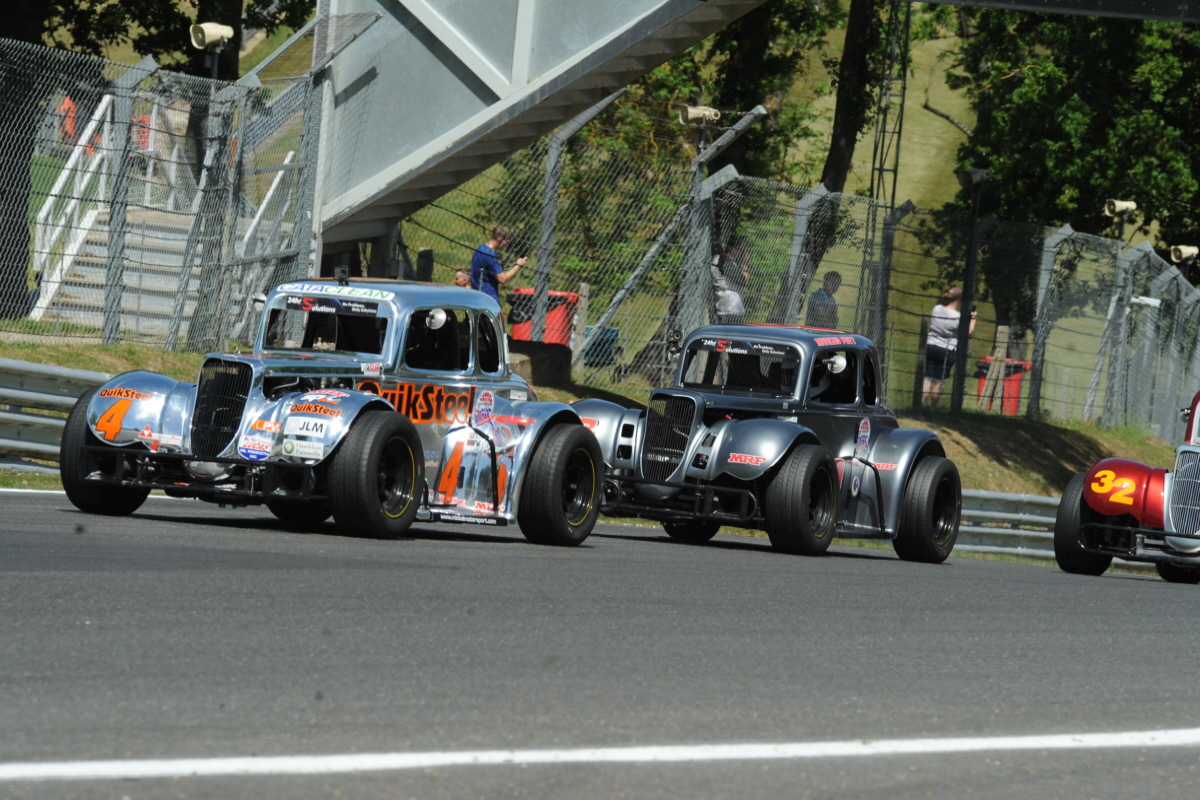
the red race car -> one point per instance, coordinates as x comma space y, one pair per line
1123, 508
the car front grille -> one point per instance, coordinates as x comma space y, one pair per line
668, 428
1185, 492
220, 399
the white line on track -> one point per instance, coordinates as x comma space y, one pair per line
60, 491
372, 762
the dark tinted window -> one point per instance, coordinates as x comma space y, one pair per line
870, 382
445, 348
489, 345
834, 378
741, 367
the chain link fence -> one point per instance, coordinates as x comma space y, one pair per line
144, 205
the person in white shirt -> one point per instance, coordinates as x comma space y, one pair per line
730, 273
941, 346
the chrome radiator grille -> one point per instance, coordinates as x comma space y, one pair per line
220, 399
1185, 492
668, 427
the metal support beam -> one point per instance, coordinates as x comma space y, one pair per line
799, 274
1045, 306
545, 252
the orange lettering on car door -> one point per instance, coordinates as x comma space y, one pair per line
449, 479
110, 422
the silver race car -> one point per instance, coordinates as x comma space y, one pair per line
780, 429
378, 403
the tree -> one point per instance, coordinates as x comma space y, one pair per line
1074, 110
857, 86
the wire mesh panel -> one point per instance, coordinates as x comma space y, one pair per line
144, 205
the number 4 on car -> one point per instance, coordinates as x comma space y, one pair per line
376, 403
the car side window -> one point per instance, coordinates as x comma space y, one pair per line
489, 345
834, 378
870, 381
438, 339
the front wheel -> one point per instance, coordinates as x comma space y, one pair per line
801, 502
691, 532
1177, 573
560, 498
75, 464
1073, 513
376, 476
930, 515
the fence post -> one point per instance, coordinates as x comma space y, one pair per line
918, 396
121, 141
545, 251
1116, 397
795, 283
890, 224
1041, 331
581, 316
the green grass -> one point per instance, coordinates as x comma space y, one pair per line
11, 479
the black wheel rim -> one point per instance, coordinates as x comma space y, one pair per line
945, 511
820, 505
397, 477
578, 487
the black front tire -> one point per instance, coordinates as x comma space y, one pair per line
692, 531
74, 465
377, 475
801, 502
299, 513
1073, 513
1177, 573
931, 512
561, 495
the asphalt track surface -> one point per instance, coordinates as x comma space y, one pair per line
216, 635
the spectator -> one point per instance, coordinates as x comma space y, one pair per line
486, 273
822, 308
730, 272
941, 346
462, 278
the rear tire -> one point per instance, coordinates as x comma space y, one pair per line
931, 512
1073, 513
377, 475
561, 495
74, 465
299, 513
692, 531
801, 502
1177, 573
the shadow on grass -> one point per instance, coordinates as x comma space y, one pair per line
1052, 452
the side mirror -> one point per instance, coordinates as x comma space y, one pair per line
675, 341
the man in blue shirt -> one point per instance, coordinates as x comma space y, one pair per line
486, 273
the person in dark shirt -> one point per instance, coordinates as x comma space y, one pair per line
487, 275
822, 308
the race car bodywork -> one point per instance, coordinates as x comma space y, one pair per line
1126, 509
355, 392
782, 429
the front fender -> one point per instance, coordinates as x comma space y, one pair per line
303, 427
135, 407
747, 449
608, 420
1118, 486
543, 415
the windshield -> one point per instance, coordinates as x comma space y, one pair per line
757, 368
330, 324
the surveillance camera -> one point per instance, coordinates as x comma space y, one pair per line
1182, 252
693, 114
207, 34
971, 178
1116, 208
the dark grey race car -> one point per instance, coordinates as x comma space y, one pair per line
781, 429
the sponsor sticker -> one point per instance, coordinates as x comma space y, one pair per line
336, 290
589, 423
509, 420
427, 404
745, 458
170, 440
313, 408
864, 436
126, 394
371, 370
151, 439
485, 403
518, 394
472, 520
301, 449
305, 426
825, 341
266, 425
328, 393
885, 466
253, 448
854, 486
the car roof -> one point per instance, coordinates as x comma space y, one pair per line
792, 334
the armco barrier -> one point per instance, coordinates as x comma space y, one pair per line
26, 388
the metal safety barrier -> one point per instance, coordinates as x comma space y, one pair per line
26, 389
1015, 524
